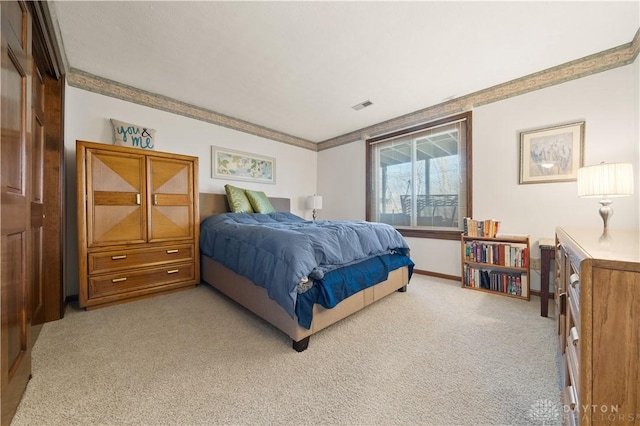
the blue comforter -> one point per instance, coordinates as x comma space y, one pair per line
279, 251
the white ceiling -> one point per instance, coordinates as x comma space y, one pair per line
298, 67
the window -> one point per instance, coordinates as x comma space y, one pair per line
419, 179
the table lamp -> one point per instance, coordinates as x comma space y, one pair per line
314, 202
605, 181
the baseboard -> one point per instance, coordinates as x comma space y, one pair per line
537, 293
437, 275
454, 278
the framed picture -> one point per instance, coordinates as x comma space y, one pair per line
552, 154
237, 165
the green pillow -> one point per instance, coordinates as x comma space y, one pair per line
259, 201
238, 201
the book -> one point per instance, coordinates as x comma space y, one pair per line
487, 228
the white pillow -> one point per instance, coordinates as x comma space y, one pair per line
132, 135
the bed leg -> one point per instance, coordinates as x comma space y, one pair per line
301, 345
402, 289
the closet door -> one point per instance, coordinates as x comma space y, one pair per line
36, 199
15, 344
116, 198
171, 215
47, 169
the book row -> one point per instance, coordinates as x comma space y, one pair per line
504, 254
480, 228
502, 282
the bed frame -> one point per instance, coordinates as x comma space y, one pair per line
256, 299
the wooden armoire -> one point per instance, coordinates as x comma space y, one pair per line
138, 224
31, 194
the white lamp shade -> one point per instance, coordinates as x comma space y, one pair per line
314, 202
605, 180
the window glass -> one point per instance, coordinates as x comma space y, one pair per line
418, 177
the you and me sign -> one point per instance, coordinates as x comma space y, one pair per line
132, 135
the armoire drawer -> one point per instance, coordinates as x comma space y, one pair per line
111, 261
139, 279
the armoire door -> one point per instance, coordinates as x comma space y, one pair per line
170, 185
116, 198
15, 344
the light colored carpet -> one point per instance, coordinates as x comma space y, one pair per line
435, 355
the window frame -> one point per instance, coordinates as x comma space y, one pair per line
414, 232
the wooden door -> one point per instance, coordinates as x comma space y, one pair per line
37, 206
47, 298
53, 199
115, 198
171, 199
15, 344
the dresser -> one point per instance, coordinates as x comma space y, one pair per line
598, 311
137, 223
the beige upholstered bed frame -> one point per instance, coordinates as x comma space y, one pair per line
255, 298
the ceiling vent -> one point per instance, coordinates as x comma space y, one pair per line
362, 105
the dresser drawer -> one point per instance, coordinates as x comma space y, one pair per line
571, 417
573, 363
112, 261
574, 304
561, 302
569, 399
128, 281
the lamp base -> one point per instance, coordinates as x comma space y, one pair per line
314, 214
605, 212
605, 239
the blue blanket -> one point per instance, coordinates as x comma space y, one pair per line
341, 283
278, 251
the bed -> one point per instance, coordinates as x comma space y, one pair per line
313, 316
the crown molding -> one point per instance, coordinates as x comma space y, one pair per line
583, 67
93, 83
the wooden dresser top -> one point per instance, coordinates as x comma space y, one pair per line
622, 245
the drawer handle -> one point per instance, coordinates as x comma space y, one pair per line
155, 199
574, 279
138, 200
570, 397
573, 335
118, 280
121, 256
171, 251
173, 271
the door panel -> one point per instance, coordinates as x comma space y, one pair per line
53, 199
14, 280
15, 349
116, 198
171, 215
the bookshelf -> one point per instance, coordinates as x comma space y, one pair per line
498, 264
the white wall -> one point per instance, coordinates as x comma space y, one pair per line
636, 90
87, 118
607, 102
341, 182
